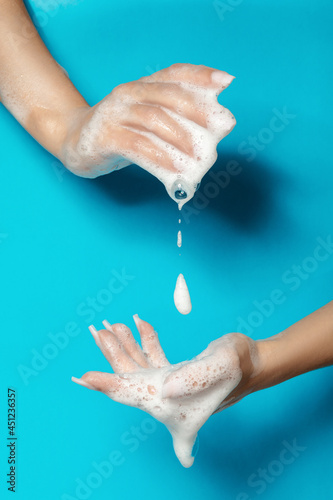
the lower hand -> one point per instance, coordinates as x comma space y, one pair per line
181, 396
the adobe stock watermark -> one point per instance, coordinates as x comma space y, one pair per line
219, 181
151, 70
222, 8
248, 148
59, 169
46, 9
88, 309
260, 480
292, 279
254, 143
101, 471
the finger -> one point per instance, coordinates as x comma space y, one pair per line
138, 148
198, 375
115, 386
172, 96
200, 75
150, 343
154, 119
113, 351
125, 337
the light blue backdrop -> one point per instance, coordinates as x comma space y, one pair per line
63, 238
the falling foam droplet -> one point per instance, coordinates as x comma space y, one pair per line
182, 296
179, 239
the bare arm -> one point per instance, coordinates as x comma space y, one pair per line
303, 347
33, 87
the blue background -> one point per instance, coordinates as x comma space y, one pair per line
62, 237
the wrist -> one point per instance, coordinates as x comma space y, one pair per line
305, 346
272, 366
51, 128
82, 148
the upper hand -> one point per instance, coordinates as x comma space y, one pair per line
147, 122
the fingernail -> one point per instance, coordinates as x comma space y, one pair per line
107, 325
94, 332
137, 320
222, 78
79, 381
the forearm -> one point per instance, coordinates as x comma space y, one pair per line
304, 346
33, 87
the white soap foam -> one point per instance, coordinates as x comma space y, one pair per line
182, 296
188, 170
185, 414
